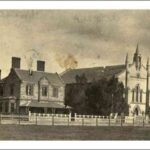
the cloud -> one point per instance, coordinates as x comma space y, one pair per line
93, 37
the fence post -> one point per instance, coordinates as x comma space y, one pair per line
36, 119
68, 119
96, 121
52, 119
121, 122
82, 121
109, 120
19, 117
75, 116
143, 122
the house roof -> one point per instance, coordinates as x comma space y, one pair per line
95, 73
24, 75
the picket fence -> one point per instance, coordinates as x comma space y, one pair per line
77, 120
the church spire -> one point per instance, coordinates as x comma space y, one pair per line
126, 77
137, 49
147, 87
137, 58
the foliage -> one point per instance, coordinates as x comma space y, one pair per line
100, 97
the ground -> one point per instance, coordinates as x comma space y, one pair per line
33, 132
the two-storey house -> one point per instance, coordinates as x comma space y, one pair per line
27, 90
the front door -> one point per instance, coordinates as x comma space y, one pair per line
136, 111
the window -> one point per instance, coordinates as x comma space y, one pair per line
55, 92
141, 93
133, 95
11, 89
12, 107
44, 91
137, 93
29, 89
1, 90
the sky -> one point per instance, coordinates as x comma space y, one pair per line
72, 38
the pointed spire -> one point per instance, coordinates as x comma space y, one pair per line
137, 48
148, 63
127, 59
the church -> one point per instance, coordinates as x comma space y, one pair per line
133, 74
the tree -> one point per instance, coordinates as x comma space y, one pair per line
100, 97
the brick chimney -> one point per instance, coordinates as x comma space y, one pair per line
40, 65
16, 62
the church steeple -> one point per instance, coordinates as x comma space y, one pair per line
137, 58
147, 86
126, 77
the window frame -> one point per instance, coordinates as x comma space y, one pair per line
55, 92
45, 91
30, 89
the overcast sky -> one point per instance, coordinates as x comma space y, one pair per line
88, 38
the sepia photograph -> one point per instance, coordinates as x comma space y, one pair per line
77, 75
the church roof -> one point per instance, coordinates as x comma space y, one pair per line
94, 73
24, 75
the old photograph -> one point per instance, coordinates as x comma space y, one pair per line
75, 75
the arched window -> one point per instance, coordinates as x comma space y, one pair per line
133, 93
141, 94
137, 93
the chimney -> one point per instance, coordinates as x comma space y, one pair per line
40, 65
16, 62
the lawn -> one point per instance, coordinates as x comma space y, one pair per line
33, 132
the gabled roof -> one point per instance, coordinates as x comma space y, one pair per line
24, 75
95, 73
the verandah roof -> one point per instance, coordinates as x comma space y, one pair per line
43, 104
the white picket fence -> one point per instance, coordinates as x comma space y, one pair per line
77, 120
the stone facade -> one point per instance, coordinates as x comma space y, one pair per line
136, 81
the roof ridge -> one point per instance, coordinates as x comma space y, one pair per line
35, 71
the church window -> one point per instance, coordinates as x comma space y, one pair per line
137, 93
133, 93
141, 94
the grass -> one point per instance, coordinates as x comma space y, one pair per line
33, 132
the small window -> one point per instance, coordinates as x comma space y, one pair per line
11, 89
29, 90
133, 95
1, 90
55, 92
44, 91
12, 107
141, 94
